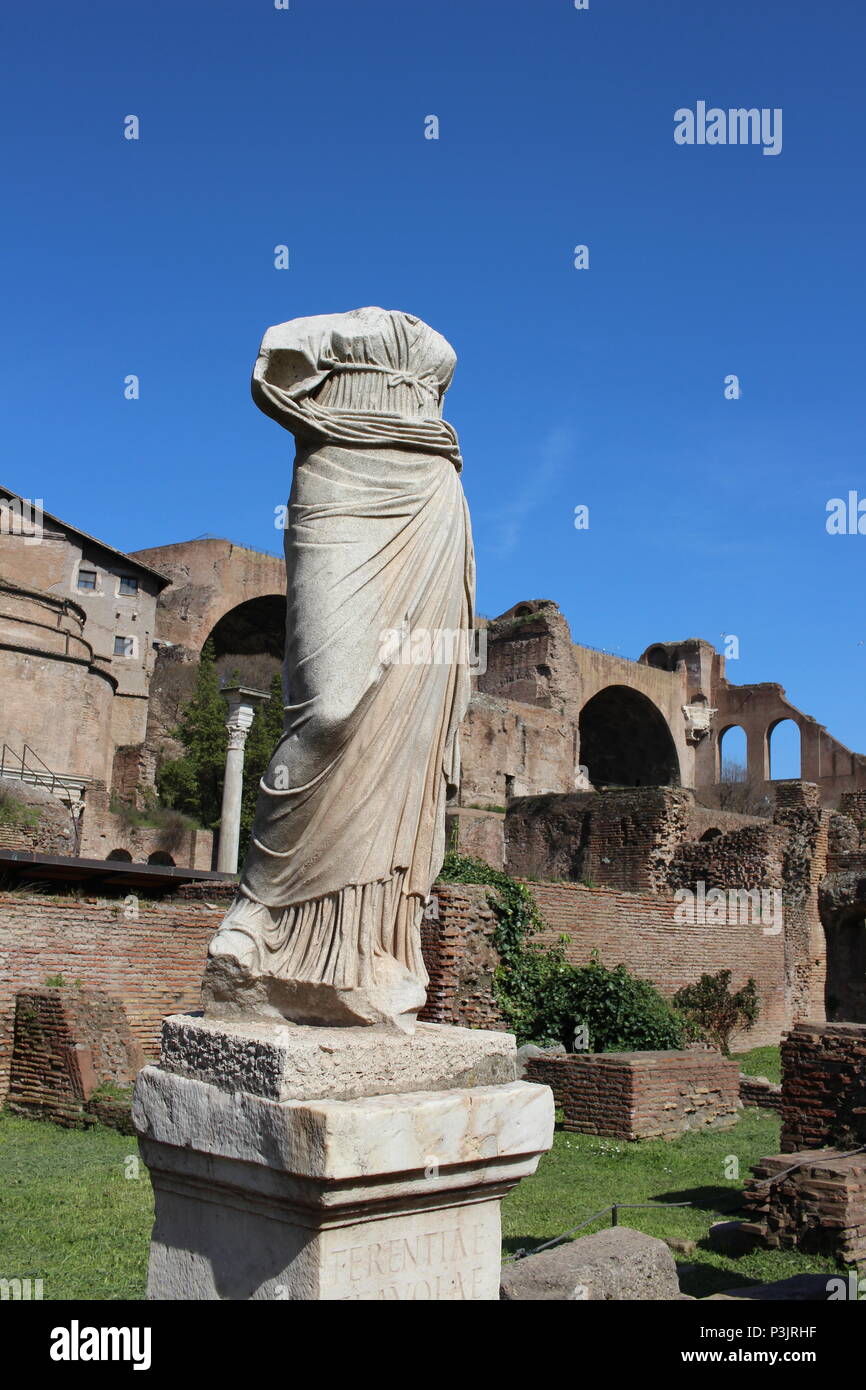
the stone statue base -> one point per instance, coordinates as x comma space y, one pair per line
311, 1163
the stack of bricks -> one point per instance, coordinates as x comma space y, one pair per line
641, 1095
67, 1042
820, 1203
824, 1086
819, 1206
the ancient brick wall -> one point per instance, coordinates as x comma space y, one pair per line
824, 1087
619, 839
748, 857
641, 1095
799, 811
758, 1091
460, 958
152, 963
641, 930
66, 1042
103, 832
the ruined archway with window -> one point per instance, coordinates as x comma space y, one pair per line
625, 741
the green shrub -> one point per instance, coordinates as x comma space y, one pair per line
544, 998
714, 1010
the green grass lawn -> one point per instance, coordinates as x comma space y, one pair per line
761, 1061
70, 1215
584, 1173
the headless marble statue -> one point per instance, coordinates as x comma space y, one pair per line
349, 831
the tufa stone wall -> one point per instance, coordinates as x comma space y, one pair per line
641, 1095
618, 839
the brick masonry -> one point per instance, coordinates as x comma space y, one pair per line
68, 1041
151, 962
819, 1207
758, 1091
824, 1087
639, 929
457, 944
641, 1095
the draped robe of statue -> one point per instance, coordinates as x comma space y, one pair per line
349, 831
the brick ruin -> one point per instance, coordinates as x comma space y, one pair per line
812, 1195
612, 871
69, 1042
641, 1095
594, 778
106, 644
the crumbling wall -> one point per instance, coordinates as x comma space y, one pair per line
458, 950
67, 1043
619, 839
750, 857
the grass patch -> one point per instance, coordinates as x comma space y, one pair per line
69, 1214
584, 1173
761, 1061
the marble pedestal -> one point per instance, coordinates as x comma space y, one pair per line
333, 1163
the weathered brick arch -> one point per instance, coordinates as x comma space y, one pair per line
625, 740
211, 579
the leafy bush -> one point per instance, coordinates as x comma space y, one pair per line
715, 1010
544, 998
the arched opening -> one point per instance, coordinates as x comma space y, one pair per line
733, 754
122, 854
160, 856
250, 639
845, 993
711, 834
625, 741
658, 657
783, 739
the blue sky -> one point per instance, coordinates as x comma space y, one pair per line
604, 386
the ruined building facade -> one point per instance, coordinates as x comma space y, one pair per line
98, 652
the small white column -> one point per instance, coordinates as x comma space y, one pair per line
242, 704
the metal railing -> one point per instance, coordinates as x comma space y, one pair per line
15, 766
615, 1208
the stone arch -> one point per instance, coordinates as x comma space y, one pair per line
161, 856
784, 750
256, 626
625, 741
121, 855
712, 834
733, 753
